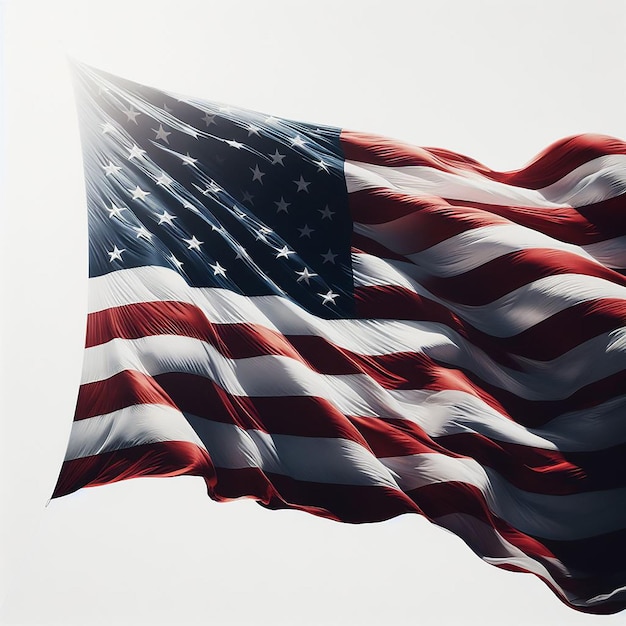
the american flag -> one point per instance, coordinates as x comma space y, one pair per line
347, 325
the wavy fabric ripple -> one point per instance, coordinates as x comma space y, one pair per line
357, 328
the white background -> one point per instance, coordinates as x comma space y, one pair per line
498, 81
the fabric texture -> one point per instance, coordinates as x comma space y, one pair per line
344, 324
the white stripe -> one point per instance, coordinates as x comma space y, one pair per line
563, 517
467, 250
611, 253
314, 459
452, 412
131, 426
599, 179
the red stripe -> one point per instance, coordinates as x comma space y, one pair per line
550, 166
168, 458
485, 283
127, 388
542, 471
436, 219
581, 226
418, 223
133, 321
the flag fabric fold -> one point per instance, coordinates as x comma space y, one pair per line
344, 324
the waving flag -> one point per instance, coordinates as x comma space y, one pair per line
347, 325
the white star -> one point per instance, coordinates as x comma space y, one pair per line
138, 193
165, 217
143, 233
257, 174
329, 257
116, 253
187, 160
284, 252
271, 120
241, 253
234, 144
194, 244
302, 184
111, 169
175, 261
163, 180
209, 119
115, 211
305, 275
277, 157
218, 270
326, 213
281, 205
253, 130
321, 165
136, 151
161, 133
107, 127
306, 231
328, 297
297, 141
131, 115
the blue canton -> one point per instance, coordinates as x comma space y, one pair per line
226, 197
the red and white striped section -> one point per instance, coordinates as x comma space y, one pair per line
523, 274
482, 384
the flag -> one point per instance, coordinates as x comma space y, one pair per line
351, 326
